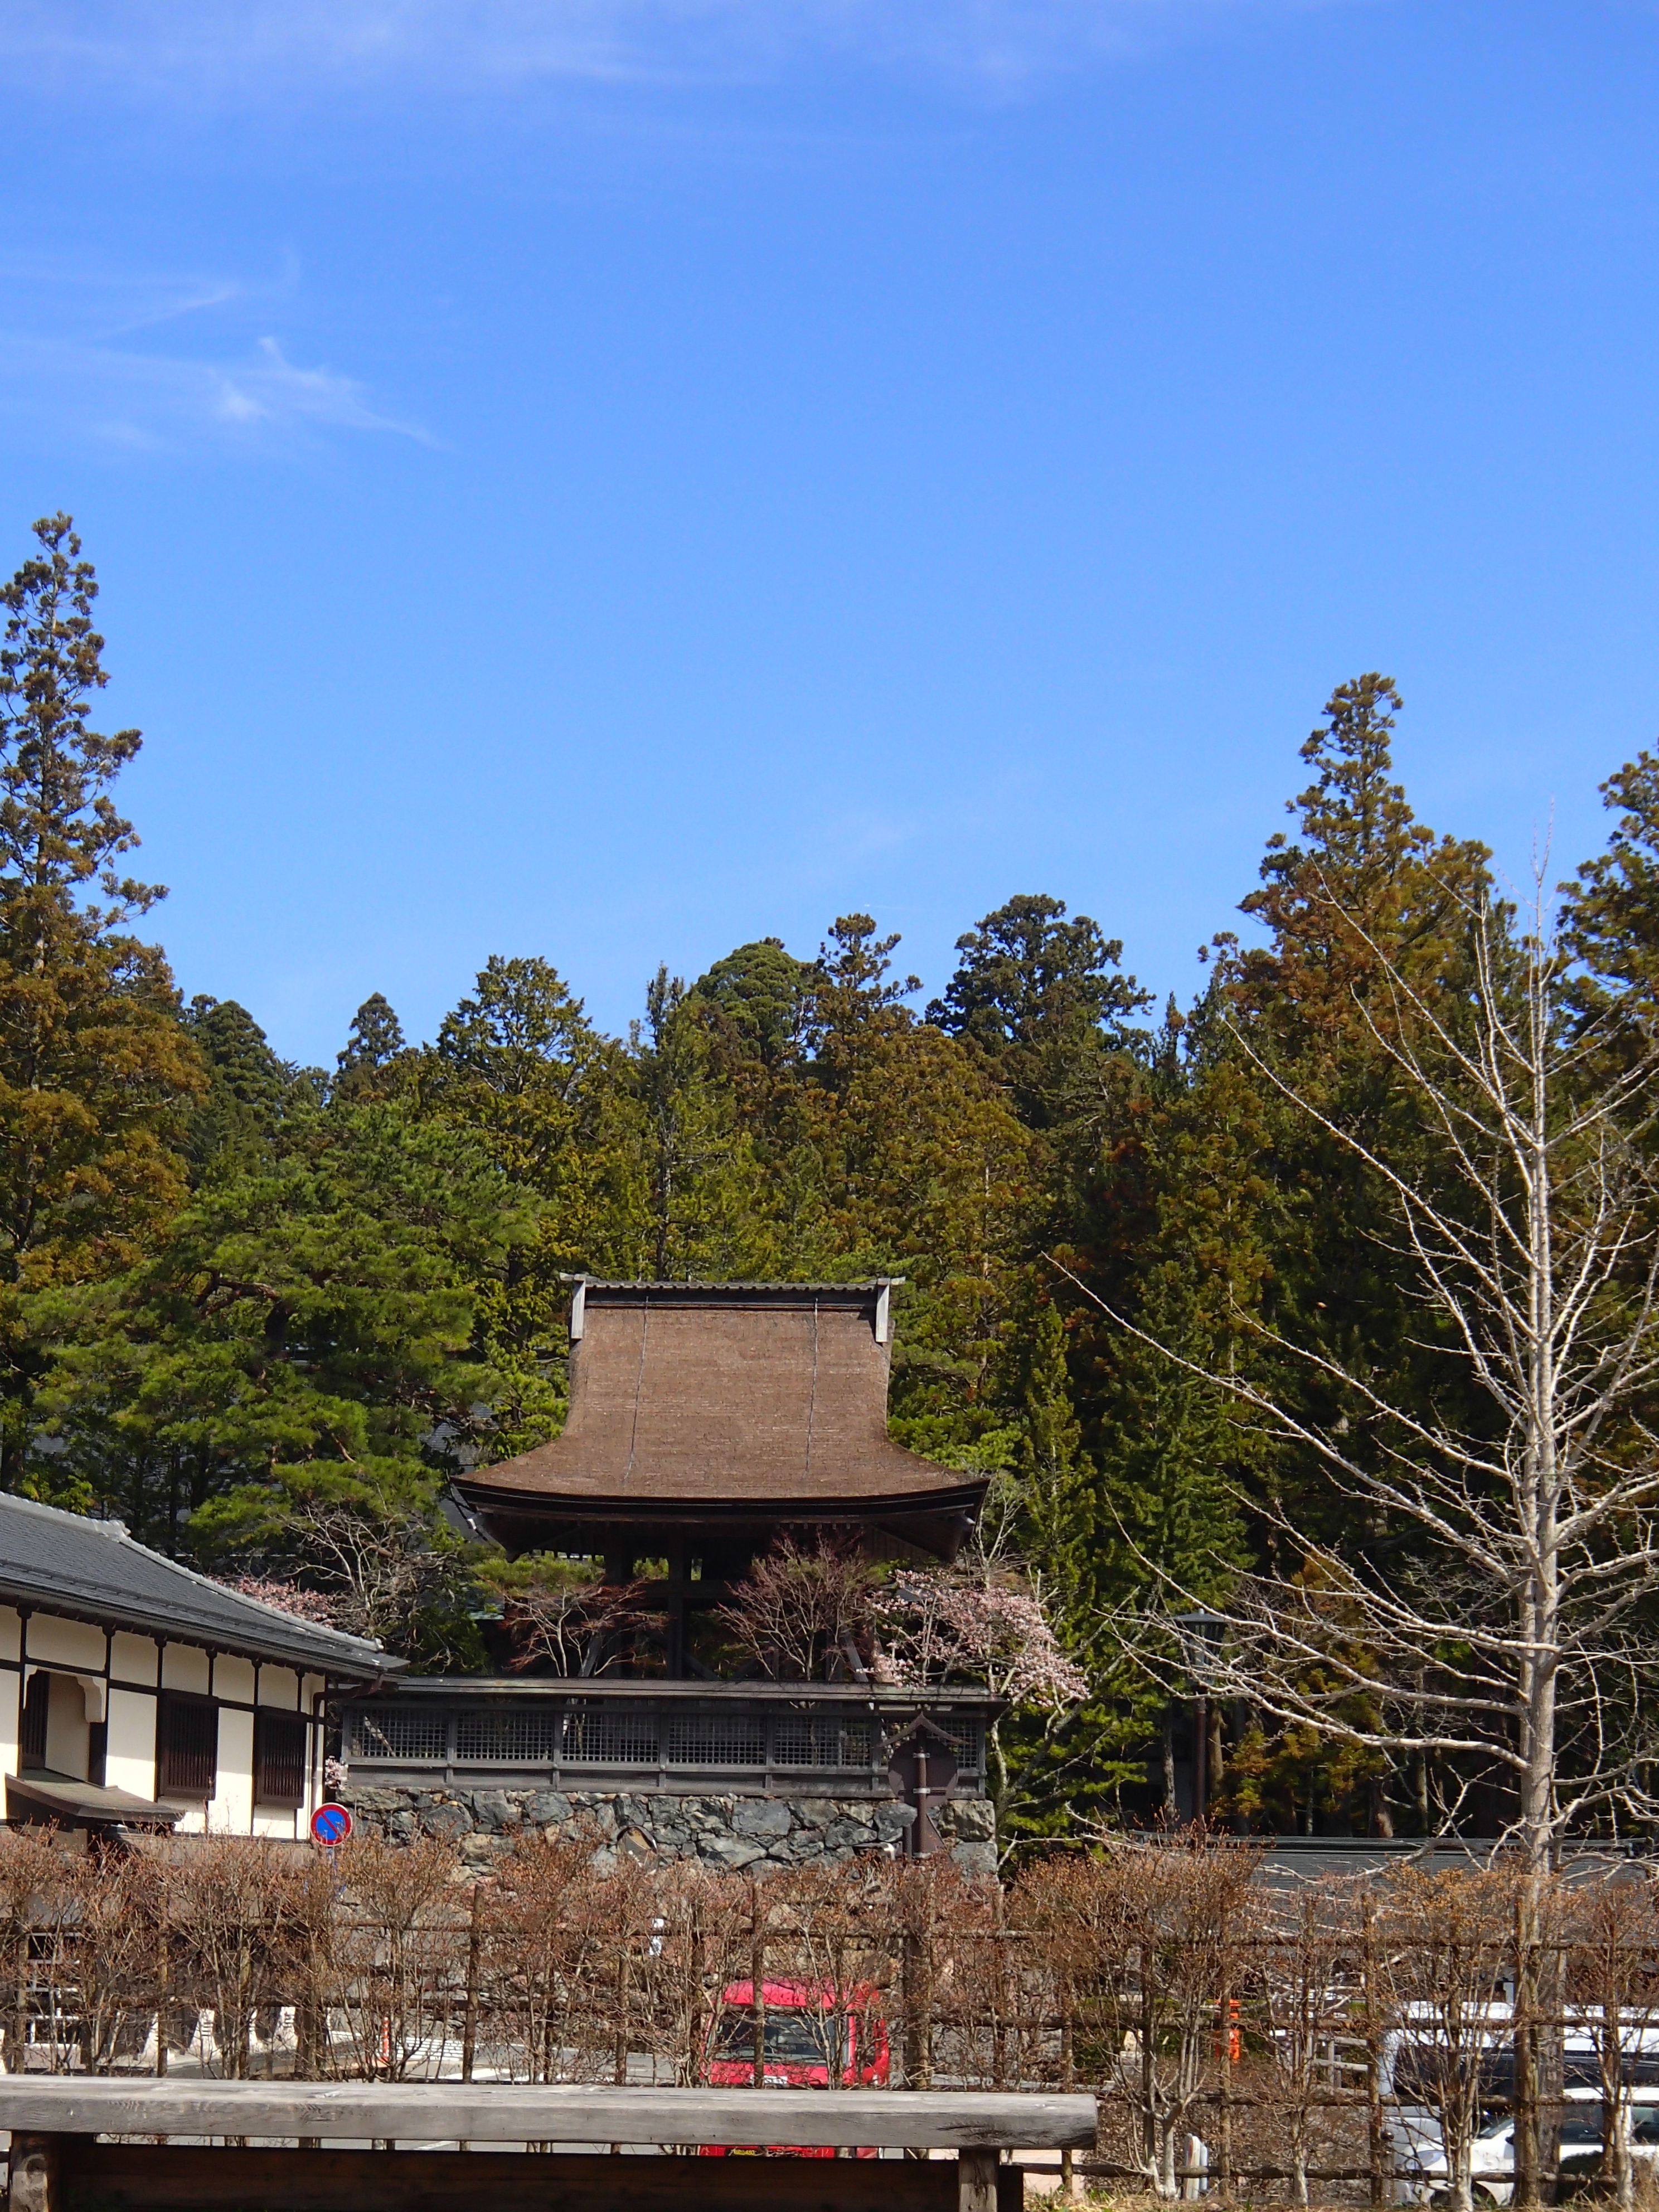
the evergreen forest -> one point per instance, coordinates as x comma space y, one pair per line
263, 1313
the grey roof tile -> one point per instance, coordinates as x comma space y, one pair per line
64, 1562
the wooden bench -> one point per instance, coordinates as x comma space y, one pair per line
58, 2165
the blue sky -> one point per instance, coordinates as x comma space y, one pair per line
614, 479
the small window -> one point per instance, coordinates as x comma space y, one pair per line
32, 1741
188, 1751
279, 1758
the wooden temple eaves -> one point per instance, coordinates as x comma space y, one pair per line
708, 1417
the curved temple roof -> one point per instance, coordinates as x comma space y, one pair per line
738, 1407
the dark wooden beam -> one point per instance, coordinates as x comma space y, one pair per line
51, 2173
144, 2178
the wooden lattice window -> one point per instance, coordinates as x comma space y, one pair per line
32, 1738
279, 1758
187, 1748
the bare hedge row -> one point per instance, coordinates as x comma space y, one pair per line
1270, 2027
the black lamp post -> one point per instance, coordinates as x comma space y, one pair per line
1200, 1633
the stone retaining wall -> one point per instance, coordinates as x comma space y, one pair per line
736, 1833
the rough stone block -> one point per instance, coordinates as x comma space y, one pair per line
448, 1822
815, 1812
762, 1816
494, 1810
728, 1851
978, 1860
548, 1808
373, 1801
969, 1819
846, 1835
890, 1821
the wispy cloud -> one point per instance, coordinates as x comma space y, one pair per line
75, 362
239, 46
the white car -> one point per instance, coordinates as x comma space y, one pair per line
1421, 2160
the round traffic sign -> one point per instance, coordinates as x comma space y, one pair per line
331, 1824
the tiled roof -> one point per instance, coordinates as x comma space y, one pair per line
93, 1571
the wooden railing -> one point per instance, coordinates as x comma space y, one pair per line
58, 2163
820, 1740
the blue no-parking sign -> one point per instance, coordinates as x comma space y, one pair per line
331, 1824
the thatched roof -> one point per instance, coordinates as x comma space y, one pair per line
738, 1407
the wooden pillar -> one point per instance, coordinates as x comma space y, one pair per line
679, 1568
1201, 1758
35, 2174
977, 2181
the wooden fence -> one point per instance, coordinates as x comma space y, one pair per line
1266, 2039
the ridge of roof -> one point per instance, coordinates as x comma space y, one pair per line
865, 1284
204, 1607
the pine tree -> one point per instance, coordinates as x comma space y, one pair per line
96, 1073
1366, 885
300, 1354
904, 1158
1227, 1222
853, 1003
1360, 844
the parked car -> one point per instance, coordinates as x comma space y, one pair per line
808, 2030
1422, 2163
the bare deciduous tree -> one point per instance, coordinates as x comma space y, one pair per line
1502, 1632
1445, 1941
576, 1625
377, 1569
1613, 1983
799, 1613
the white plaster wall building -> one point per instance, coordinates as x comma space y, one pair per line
135, 1692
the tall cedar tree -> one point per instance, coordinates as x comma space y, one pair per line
96, 1075
704, 1197
906, 1160
1610, 919
250, 1091
518, 1066
375, 1054
1040, 996
1304, 1001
